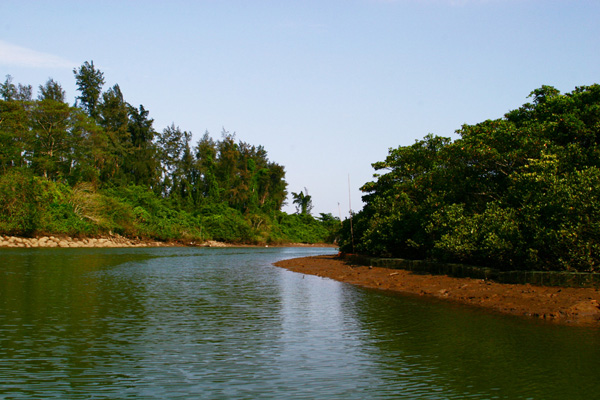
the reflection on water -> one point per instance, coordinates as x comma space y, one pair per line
225, 323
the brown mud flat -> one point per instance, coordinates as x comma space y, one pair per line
569, 306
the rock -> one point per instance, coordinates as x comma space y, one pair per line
213, 243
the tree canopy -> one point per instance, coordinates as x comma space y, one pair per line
103, 144
518, 192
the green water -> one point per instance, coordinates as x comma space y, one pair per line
208, 323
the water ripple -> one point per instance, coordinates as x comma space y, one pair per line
226, 324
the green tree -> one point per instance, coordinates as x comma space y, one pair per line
113, 144
89, 83
14, 129
143, 163
51, 90
175, 159
206, 159
49, 143
8, 90
226, 167
303, 202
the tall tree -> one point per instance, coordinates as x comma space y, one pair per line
8, 90
272, 187
50, 144
113, 143
303, 202
14, 128
226, 166
89, 83
172, 143
206, 159
142, 163
187, 175
51, 90
24, 93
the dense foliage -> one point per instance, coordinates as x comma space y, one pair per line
520, 192
99, 167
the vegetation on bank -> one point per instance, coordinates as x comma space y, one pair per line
99, 167
519, 192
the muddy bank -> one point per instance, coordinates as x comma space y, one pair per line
571, 306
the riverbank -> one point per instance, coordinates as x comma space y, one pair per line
570, 306
65, 241
120, 241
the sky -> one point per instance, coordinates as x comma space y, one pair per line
326, 86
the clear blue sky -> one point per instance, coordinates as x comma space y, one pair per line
327, 87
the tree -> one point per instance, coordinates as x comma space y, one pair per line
8, 90
49, 143
226, 166
206, 158
89, 83
14, 129
303, 202
173, 149
113, 143
24, 93
142, 162
51, 90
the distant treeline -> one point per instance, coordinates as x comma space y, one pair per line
520, 192
98, 166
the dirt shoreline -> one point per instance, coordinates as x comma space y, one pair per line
568, 306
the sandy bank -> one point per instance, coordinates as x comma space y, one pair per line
571, 306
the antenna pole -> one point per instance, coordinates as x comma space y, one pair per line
350, 206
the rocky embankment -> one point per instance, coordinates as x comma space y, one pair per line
120, 241
52, 241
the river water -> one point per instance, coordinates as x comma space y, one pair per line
208, 323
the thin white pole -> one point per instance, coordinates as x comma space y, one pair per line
350, 206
